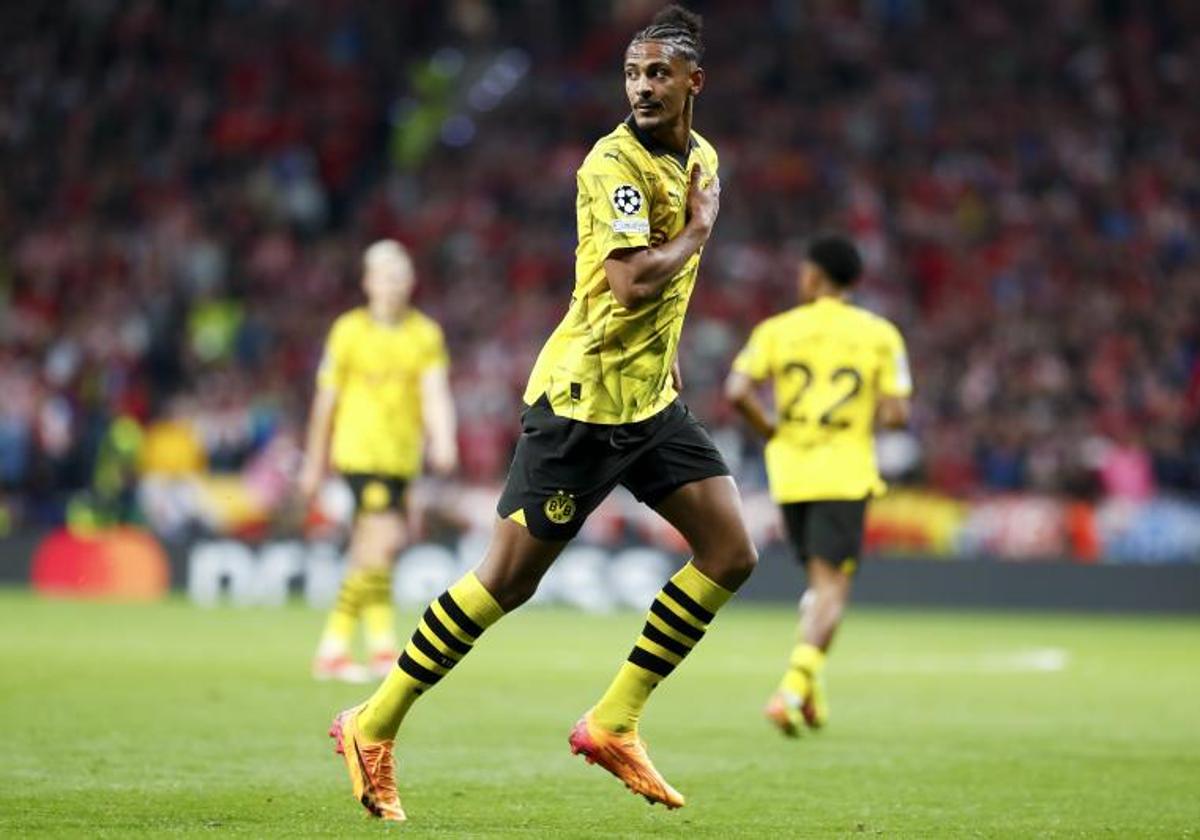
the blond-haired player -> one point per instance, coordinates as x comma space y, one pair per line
382, 400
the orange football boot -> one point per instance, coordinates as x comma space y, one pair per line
783, 711
371, 766
624, 755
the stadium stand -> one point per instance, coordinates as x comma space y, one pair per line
187, 186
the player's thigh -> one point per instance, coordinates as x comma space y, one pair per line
376, 538
708, 513
825, 576
515, 562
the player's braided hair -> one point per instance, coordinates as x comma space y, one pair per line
678, 28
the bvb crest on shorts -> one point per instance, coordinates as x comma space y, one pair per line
559, 508
376, 496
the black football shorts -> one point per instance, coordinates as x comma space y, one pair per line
376, 493
830, 529
562, 469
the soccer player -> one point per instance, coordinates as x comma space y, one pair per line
602, 410
837, 370
382, 392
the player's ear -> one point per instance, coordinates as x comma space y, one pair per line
696, 77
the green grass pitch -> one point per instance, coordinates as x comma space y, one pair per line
168, 719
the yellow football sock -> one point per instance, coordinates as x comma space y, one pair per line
343, 618
676, 622
445, 634
805, 663
378, 612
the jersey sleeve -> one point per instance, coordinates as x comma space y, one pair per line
332, 372
434, 355
895, 378
614, 204
754, 360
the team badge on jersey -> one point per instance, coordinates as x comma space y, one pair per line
627, 199
559, 508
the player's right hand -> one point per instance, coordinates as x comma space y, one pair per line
704, 200
443, 457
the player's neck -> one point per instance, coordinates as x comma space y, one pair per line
678, 136
387, 315
675, 137
835, 295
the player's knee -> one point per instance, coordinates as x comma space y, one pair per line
732, 564
510, 590
390, 542
379, 534
514, 593
834, 591
745, 558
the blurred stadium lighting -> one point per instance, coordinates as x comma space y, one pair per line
499, 79
458, 131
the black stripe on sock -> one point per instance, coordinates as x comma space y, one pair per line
429, 649
379, 583
380, 594
417, 671
345, 600
442, 632
459, 617
684, 600
675, 622
646, 659
660, 638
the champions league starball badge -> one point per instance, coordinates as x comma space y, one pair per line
627, 199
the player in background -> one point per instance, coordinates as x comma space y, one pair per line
382, 399
602, 409
837, 370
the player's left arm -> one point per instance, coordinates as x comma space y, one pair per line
638, 275
894, 407
437, 410
750, 368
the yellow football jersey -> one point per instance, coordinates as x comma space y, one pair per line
830, 363
605, 363
376, 369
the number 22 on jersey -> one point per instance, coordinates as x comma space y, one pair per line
821, 400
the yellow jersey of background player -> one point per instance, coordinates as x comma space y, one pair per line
837, 370
608, 362
830, 364
376, 368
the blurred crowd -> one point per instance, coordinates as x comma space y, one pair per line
187, 188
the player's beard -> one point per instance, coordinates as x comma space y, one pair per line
659, 121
